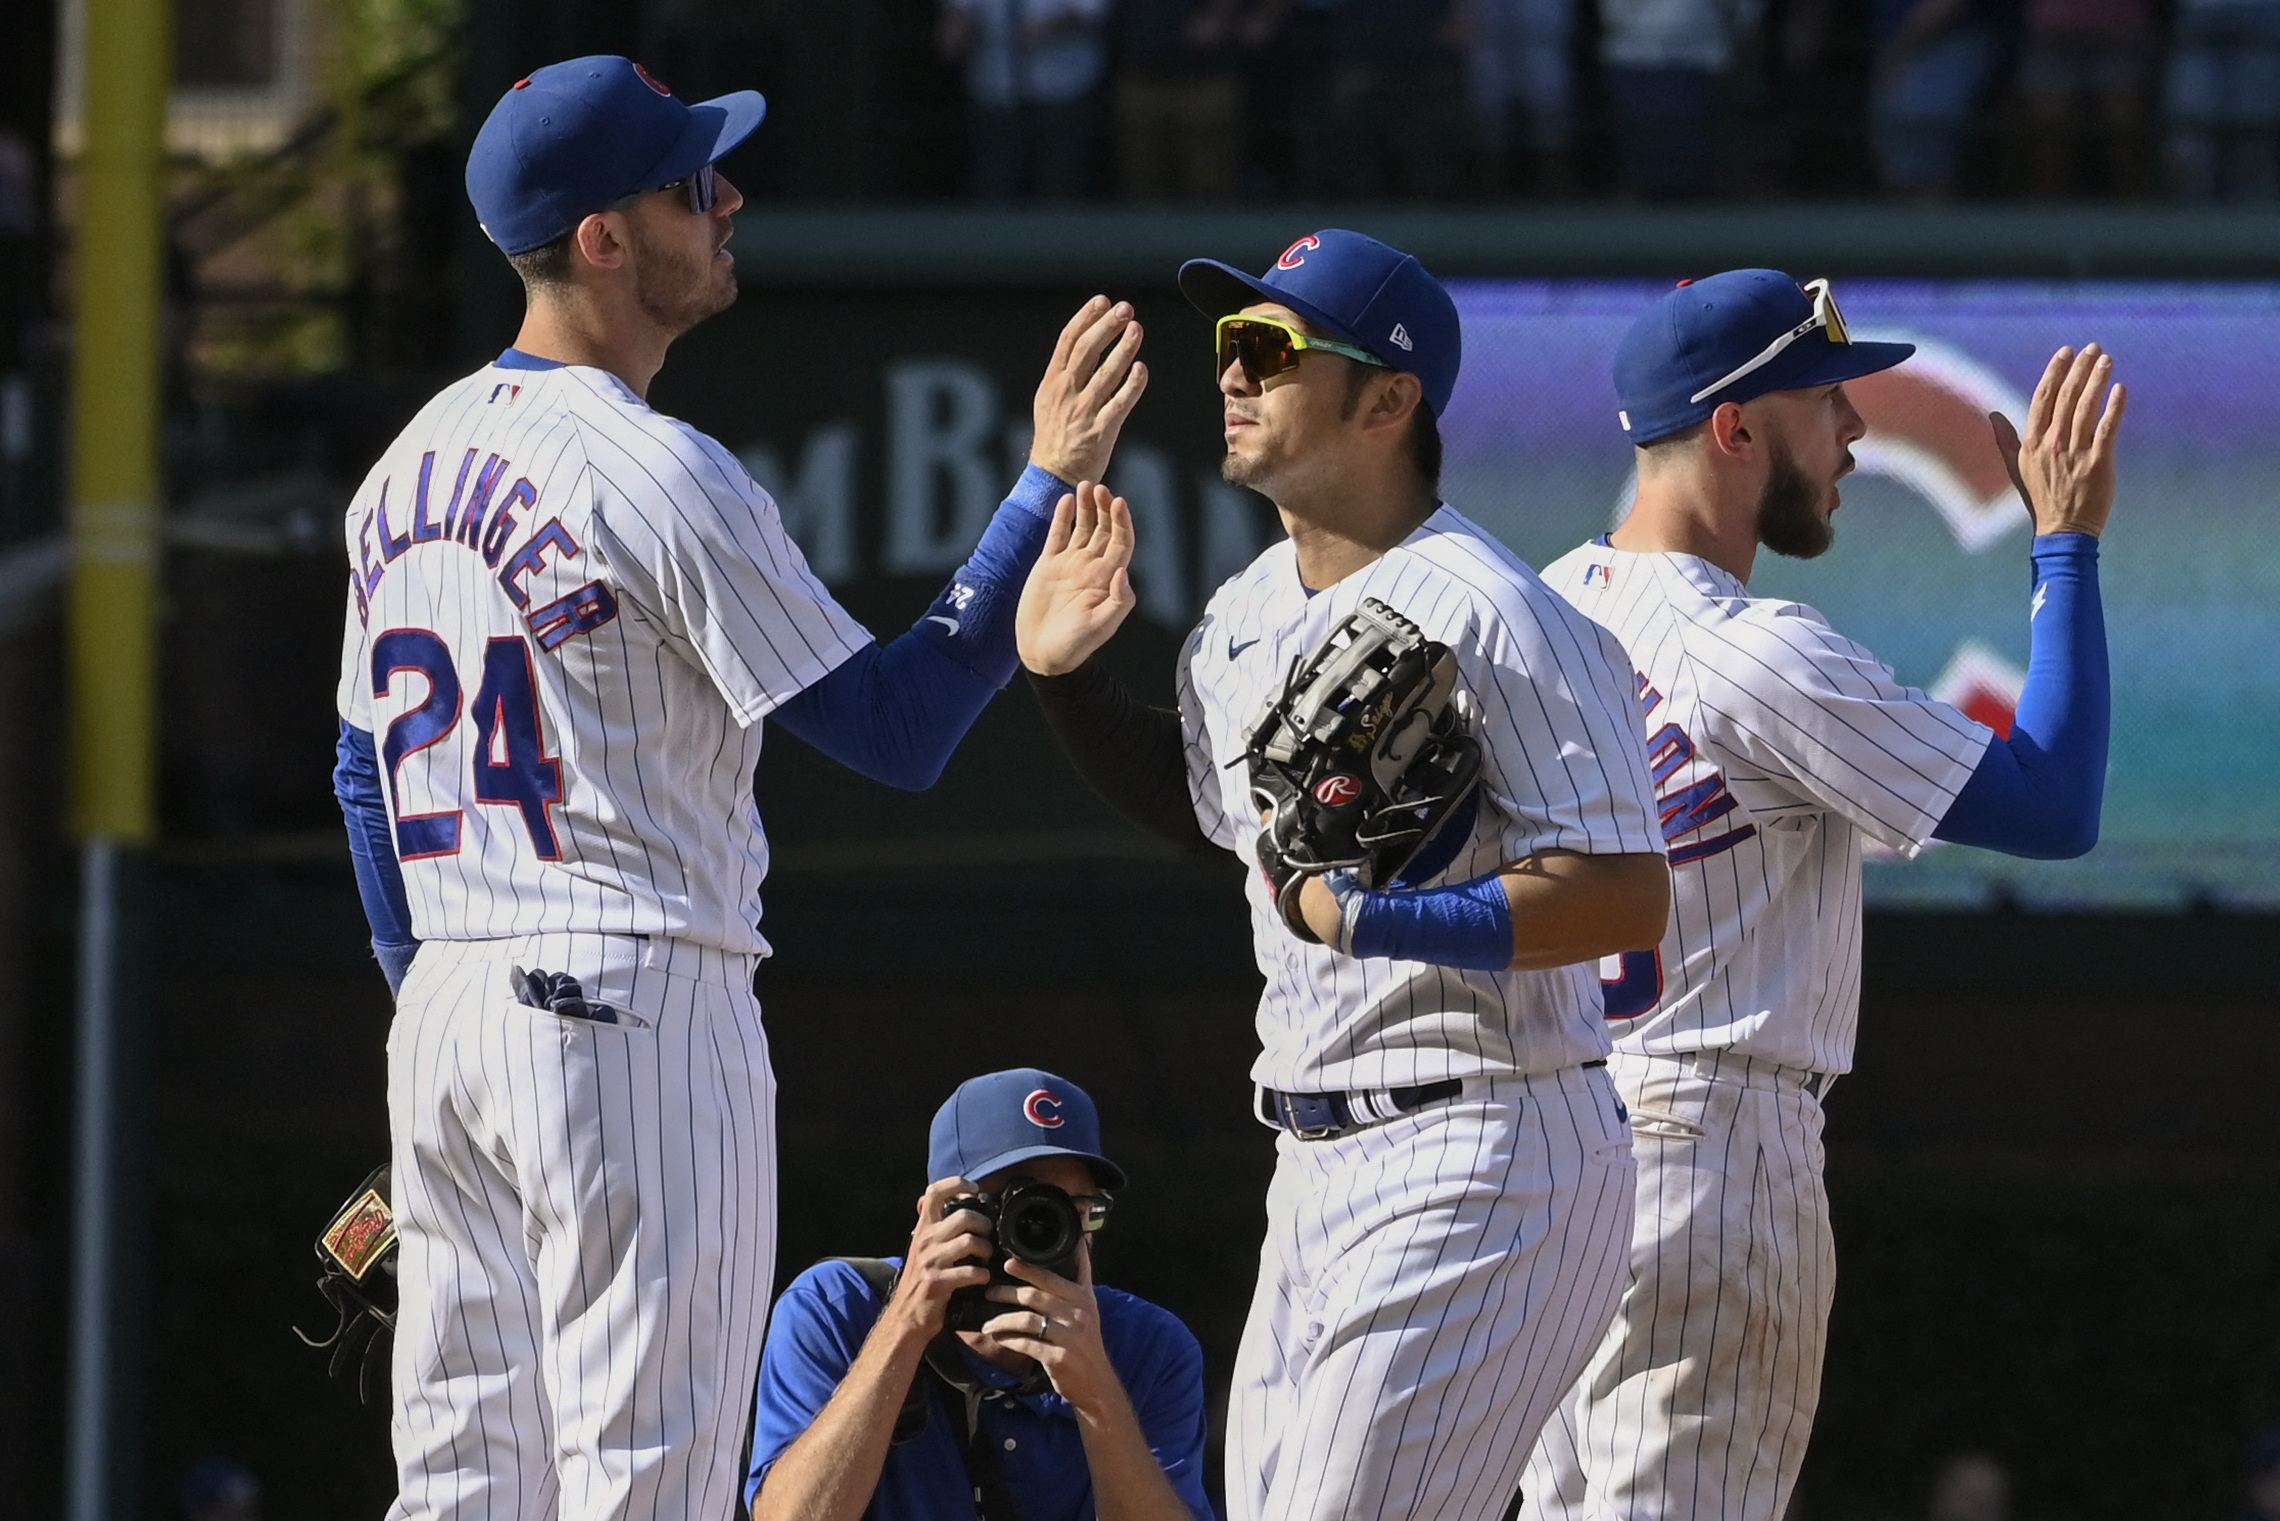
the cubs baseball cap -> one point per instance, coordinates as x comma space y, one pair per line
1007, 1117
575, 137
1355, 289
1733, 337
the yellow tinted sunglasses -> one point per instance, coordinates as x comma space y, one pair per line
1266, 348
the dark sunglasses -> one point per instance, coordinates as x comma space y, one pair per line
703, 188
1266, 348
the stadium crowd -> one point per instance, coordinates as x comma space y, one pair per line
1650, 100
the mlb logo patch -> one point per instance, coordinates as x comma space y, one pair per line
1598, 577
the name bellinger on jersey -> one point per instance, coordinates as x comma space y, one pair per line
555, 503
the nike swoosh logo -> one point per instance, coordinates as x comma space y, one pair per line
949, 623
1234, 649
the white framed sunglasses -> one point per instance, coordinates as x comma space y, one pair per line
1825, 316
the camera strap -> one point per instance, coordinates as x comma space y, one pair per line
993, 1501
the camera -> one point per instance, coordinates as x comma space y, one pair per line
1033, 1221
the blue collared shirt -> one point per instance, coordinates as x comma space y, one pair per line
819, 1326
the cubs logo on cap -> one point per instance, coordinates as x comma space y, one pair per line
1295, 255
1355, 289
1006, 1118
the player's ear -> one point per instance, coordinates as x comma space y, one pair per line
599, 240
1399, 394
1730, 430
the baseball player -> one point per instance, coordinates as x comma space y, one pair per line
1778, 748
568, 616
1452, 1193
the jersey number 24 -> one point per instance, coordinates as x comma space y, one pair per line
512, 768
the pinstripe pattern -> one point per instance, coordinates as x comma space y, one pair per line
587, 1211
587, 1218
654, 715
1780, 746
1430, 1285
1820, 747
1427, 1291
1701, 1400
1550, 699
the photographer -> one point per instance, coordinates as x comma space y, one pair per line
935, 1387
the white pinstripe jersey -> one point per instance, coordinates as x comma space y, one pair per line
1549, 697
567, 616
1776, 745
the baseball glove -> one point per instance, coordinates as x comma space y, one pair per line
358, 1254
1361, 760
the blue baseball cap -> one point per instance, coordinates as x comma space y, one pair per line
575, 137
1355, 289
1007, 1117
1730, 338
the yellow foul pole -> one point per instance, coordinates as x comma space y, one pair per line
117, 272
118, 264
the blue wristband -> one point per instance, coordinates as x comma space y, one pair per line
1467, 924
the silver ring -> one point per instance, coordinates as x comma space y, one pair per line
1044, 1327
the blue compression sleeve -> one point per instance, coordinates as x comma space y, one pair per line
896, 712
372, 847
2039, 793
1467, 924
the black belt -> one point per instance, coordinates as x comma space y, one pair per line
1321, 1116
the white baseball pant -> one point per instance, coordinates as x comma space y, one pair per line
1428, 1289
587, 1214
1699, 1404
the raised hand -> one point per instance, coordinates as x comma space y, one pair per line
1090, 387
2064, 467
1080, 590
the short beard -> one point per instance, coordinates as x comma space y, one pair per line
1255, 470
1786, 521
1242, 470
673, 291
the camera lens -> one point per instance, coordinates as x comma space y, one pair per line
1039, 1225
